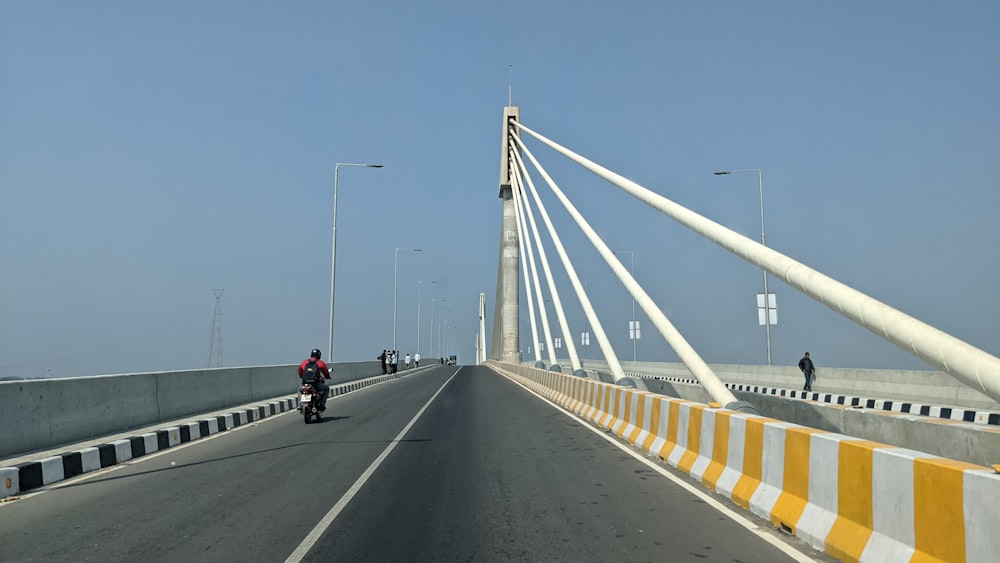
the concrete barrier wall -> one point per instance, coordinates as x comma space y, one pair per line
979, 444
44, 413
855, 499
918, 386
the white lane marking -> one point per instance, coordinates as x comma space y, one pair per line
788, 550
327, 520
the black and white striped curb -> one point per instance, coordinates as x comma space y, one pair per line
888, 405
34, 474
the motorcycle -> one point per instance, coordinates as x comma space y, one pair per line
309, 401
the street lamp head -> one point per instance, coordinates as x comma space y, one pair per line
721, 172
339, 164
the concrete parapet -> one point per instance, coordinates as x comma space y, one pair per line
39, 413
919, 386
857, 500
973, 443
45, 468
44, 413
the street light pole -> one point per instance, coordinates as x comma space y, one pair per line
439, 321
763, 241
395, 285
635, 331
419, 283
442, 322
433, 301
585, 337
450, 331
333, 253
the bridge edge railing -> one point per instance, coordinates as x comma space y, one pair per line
44, 413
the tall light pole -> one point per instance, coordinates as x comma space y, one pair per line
419, 283
433, 301
395, 285
763, 241
333, 253
584, 336
634, 329
439, 321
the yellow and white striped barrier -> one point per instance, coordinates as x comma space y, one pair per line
854, 499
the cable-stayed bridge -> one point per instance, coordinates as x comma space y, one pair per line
542, 458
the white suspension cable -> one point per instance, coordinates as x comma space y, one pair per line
521, 240
704, 374
970, 365
581, 294
519, 207
574, 359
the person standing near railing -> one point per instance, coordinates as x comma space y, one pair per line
382, 360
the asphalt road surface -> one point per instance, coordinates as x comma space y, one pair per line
454, 463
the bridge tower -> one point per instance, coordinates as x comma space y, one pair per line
481, 335
215, 346
506, 323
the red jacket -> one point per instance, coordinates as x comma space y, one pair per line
319, 364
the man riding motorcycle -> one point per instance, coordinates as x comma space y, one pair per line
314, 370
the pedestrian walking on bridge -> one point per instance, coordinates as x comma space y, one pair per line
808, 370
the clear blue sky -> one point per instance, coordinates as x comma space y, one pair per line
153, 151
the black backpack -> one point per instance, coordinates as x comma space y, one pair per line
311, 371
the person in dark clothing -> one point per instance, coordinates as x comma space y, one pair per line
808, 370
314, 370
381, 360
